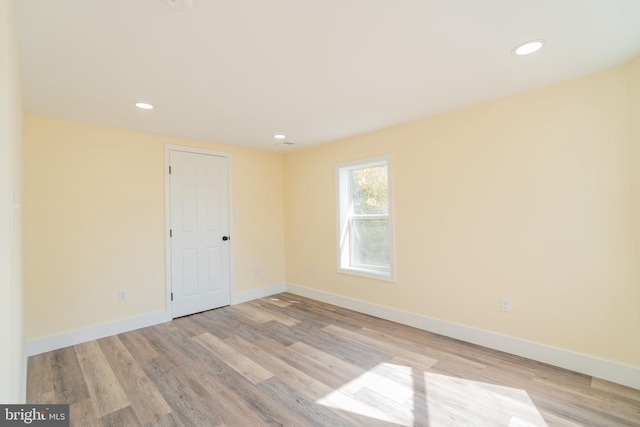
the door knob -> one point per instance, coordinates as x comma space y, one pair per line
225, 238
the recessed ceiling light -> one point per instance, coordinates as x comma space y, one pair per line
279, 136
528, 47
144, 105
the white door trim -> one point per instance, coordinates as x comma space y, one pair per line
167, 205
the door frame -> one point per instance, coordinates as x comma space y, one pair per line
167, 215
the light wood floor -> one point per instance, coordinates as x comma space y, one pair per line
287, 360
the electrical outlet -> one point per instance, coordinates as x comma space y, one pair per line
505, 304
122, 295
256, 271
313, 271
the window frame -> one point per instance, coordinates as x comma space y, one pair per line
345, 218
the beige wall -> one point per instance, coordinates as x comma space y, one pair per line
94, 223
526, 197
12, 350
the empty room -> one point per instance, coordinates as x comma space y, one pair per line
329, 213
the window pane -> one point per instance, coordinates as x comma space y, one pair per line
370, 242
369, 190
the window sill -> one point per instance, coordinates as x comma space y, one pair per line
371, 274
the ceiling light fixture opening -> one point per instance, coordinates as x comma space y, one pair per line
528, 47
284, 144
144, 105
180, 5
279, 136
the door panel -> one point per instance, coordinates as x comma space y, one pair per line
200, 269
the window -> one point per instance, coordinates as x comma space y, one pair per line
365, 223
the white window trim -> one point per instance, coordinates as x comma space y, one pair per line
342, 191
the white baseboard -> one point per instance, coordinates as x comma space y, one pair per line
77, 336
582, 363
240, 297
589, 365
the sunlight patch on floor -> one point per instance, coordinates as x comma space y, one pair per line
387, 393
383, 393
478, 403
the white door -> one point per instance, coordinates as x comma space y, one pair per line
199, 236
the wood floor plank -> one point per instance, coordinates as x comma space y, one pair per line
188, 325
138, 346
106, 393
278, 301
124, 417
385, 392
408, 355
398, 411
554, 420
506, 370
207, 375
259, 404
439, 353
177, 385
576, 412
255, 313
310, 319
616, 389
326, 362
344, 348
603, 403
169, 420
304, 408
281, 333
39, 379
68, 381
292, 361
147, 403
251, 312
240, 363
322, 377
323, 314
82, 414
279, 310
225, 323
358, 419
291, 376
273, 312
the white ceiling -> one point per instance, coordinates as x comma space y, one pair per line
239, 71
